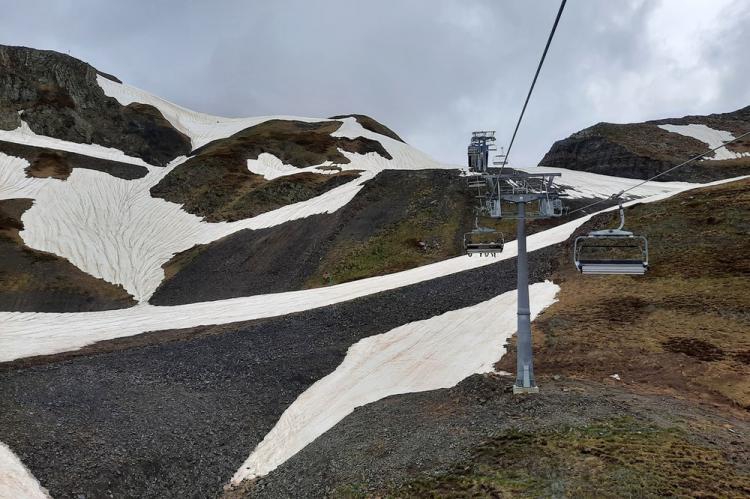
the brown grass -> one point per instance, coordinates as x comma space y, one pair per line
684, 326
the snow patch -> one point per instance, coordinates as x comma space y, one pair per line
272, 167
25, 135
426, 355
712, 137
584, 185
16, 481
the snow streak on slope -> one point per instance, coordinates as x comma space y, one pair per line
26, 334
200, 127
426, 355
578, 184
272, 167
714, 138
17, 482
25, 135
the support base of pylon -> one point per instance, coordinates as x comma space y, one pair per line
525, 389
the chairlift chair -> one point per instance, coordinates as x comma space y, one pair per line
611, 252
551, 207
483, 241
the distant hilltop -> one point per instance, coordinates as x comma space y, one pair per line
641, 150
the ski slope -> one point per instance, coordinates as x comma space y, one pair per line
425, 355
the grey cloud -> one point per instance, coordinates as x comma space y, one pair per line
431, 70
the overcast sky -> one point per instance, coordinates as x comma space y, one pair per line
431, 70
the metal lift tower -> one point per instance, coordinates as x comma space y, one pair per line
522, 196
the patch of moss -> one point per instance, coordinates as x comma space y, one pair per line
616, 458
431, 230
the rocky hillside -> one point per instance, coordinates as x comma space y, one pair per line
641, 150
57, 95
237, 193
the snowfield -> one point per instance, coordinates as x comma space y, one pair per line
426, 355
113, 229
714, 138
17, 482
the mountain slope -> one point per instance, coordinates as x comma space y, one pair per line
98, 201
399, 220
35, 281
641, 150
215, 181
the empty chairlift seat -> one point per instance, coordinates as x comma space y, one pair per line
611, 252
483, 241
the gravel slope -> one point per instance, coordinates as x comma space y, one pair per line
403, 437
177, 419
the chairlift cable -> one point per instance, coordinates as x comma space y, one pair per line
533, 82
694, 158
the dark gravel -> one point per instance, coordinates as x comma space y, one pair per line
177, 419
402, 437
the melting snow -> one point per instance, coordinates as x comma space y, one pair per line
16, 481
272, 167
714, 138
425, 355
113, 229
586, 185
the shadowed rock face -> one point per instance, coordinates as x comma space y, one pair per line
641, 150
215, 182
36, 281
58, 96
